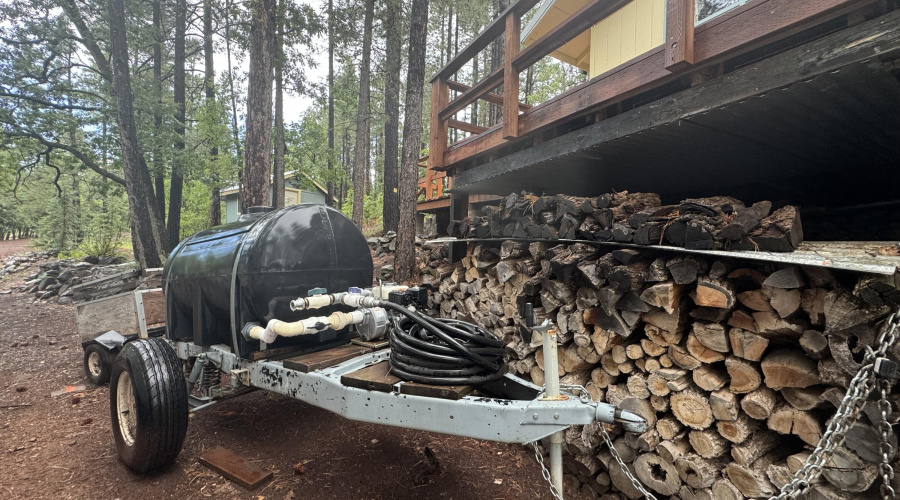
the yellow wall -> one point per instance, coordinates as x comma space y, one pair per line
630, 31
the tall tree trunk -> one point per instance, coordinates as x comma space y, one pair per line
278, 167
148, 232
158, 165
209, 89
393, 28
258, 150
361, 151
345, 165
496, 61
176, 182
234, 125
329, 201
405, 258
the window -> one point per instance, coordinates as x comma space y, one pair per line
706, 9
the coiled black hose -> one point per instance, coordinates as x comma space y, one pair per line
442, 351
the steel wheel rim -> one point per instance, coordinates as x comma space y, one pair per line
95, 365
127, 408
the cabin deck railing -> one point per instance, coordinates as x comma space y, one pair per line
685, 51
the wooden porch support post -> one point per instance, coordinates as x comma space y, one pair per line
459, 210
437, 144
511, 76
679, 34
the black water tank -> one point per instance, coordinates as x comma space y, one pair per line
218, 280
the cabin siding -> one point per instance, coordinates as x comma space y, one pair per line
627, 33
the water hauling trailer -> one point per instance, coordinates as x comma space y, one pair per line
250, 301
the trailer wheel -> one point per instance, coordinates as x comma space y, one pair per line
97, 364
148, 405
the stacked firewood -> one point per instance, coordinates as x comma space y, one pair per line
719, 222
736, 366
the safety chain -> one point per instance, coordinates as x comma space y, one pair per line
634, 481
544, 472
847, 413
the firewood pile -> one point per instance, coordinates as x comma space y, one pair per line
737, 367
718, 223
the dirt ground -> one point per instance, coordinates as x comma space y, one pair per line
10, 247
62, 447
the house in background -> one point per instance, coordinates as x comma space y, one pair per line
298, 188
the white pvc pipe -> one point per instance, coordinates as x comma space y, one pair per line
275, 328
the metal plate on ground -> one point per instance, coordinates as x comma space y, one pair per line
235, 468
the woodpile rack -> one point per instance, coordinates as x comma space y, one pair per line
738, 364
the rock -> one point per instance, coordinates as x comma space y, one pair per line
21, 388
91, 260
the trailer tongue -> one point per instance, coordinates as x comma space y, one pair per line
240, 301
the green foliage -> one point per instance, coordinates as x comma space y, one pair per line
105, 227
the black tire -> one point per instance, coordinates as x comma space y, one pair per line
147, 378
97, 364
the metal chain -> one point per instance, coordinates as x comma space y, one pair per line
546, 473
887, 451
847, 413
634, 481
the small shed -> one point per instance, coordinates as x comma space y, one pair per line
298, 188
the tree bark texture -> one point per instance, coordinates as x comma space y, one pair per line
329, 200
148, 231
209, 88
361, 151
176, 183
391, 202
405, 258
258, 148
278, 167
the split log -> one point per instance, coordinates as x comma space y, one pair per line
772, 326
782, 231
759, 404
640, 407
682, 358
662, 337
652, 348
657, 474
814, 344
723, 489
621, 482
710, 377
666, 296
788, 420
778, 475
865, 441
712, 335
737, 431
691, 408
785, 302
700, 352
670, 451
847, 472
788, 278
698, 472
744, 376
708, 443
688, 493
724, 405
673, 322
789, 368
812, 300
760, 443
637, 386
804, 399
751, 480
743, 320
747, 345
714, 293
755, 299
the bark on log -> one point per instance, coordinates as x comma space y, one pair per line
788, 420
708, 443
724, 405
737, 431
789, 368
657, 474
760, 443
698, 472
744, 376
759, 404
747, 345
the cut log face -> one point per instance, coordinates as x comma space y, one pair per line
714, 293
759, 404
747, 345
710, 377
744, 376
847, 472
788, 420
708, 443
656, 474
723, 489
789, 368
737, 431
698, 472
691, 408
760, 443
700, 352
724, 405
712, 335
665, 296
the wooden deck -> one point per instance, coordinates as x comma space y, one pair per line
690, 56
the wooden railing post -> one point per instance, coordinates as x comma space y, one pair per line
679, 34
440, 96
512, 44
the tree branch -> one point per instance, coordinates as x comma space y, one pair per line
78, 154
47, 103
